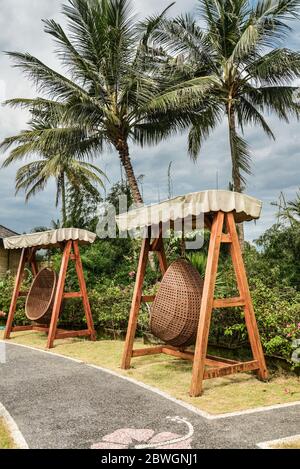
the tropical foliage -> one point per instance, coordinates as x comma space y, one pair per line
232, 56
110, 87
68, 170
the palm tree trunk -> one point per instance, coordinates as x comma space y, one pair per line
122, 147
63, 201
236, 176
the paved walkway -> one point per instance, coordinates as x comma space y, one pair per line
59, 403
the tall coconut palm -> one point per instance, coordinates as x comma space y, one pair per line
109, 86
236, 46
66, 169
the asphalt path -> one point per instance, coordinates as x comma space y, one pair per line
60, 403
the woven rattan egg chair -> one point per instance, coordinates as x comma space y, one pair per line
176, 308
39, 302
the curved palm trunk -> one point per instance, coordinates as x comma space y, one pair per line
236, 176
123, 150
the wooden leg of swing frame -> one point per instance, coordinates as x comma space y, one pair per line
243, 287
16, 293
207, 305
163, 265
135, 305
34, 266
59, 294
83, 291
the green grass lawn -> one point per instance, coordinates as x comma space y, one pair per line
228, 394
6, 441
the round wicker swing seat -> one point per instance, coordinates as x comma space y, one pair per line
176, 308
39, 302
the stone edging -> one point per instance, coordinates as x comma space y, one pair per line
16, 435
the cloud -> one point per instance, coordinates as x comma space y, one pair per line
275, 164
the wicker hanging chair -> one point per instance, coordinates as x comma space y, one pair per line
176, 308
39, 302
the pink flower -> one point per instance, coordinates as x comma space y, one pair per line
142, 438
131, 274
130, 438
298, 325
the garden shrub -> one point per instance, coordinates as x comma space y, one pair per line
6, 290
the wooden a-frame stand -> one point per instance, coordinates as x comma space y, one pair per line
204, 366
70, 251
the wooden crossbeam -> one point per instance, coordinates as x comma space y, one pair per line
178, 353
72, 295
228, 302
69, 334
22, 294
222, 360
230, 369
226, 238
148, 298
147, 351
21, 328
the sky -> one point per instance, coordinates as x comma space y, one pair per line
275, 165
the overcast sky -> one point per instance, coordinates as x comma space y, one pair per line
275, 165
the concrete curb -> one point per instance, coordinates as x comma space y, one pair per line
270, 444
18, 438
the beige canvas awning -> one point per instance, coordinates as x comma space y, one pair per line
46, 239
244, 207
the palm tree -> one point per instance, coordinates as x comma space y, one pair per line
288, 210
67, 170
110, 85
235, 46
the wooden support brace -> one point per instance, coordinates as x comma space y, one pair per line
243, 286
83, 292
148, 298
207, 305
229, 302
69, 295
15, 296
21, 328
230, 369
69, 334
59, 294
147, 351
136, 304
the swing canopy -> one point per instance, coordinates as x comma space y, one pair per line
49, 239
244, 208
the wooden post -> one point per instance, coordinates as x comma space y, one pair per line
59, 294
243, 287
33, 264
136, 302
16, 293
207, 304
83, 291
157, 246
